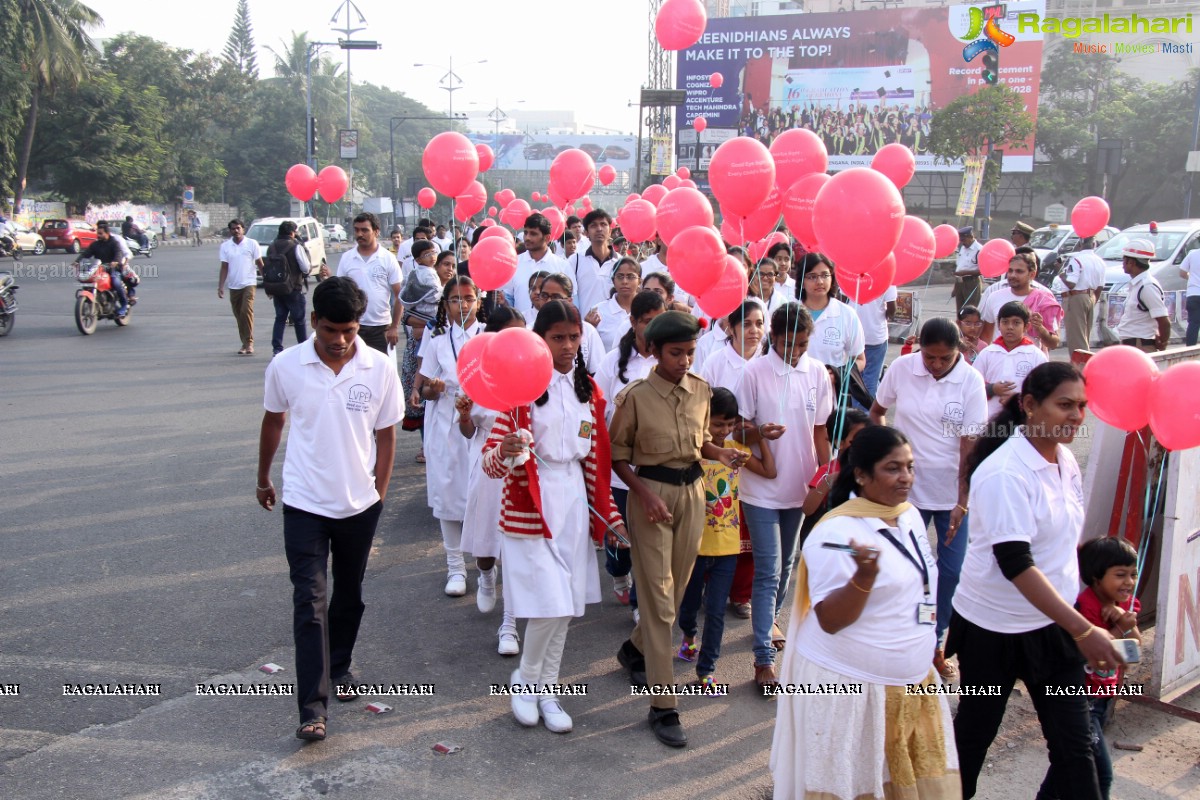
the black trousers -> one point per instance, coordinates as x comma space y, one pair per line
375, 336
325, 628
1044, 659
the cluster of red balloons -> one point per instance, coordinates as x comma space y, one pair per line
302, 183
1127, 390
502, 370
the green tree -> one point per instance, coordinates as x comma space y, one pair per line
54, 52
328, 102
994, 117
14, 97
239, 47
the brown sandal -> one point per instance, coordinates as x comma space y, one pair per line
765, 679
778, 639
312, 730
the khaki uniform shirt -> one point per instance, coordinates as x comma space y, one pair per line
661, 424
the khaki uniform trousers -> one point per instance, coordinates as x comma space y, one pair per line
242, 301
1078, 323
663, 556
967, 292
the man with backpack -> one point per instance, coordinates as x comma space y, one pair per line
285, 280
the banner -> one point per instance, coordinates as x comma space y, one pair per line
521, 151
968, 195
859, 80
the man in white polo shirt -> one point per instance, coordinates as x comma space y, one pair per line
1190, 269
376, 271
592, 265
536, 258
344, 401
240, 261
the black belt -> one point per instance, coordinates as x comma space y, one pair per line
1135, 342
672, 475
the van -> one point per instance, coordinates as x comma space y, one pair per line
266, 230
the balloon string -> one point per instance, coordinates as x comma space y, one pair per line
591, 508
1151, 511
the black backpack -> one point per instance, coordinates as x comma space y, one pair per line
281, 272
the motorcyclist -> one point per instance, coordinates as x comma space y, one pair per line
127, 273
130, 230
110, 254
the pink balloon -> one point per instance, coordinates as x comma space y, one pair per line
914, 251
728, 292
696, 258
857, 218
638, 221
505, 196
492, 211
765, 218
897, 162
461, 213
682, 208
994, 257
558, 222
487, 223
470, 373
493, 261
680, 24
556, 196
515, 213
486, 157
517, 366
607, 174
1089, 216
536, 197
1120, 383
654, 193
427, 198
760, 248
716, 80
1175, 406
741, 175
472, 201
496, 231
871, 284
798, 208
332, 183
671, 181
301, 182
684, 173
797, 152
699, 124
688, 182
731, 230
450, 162
632, 196
946, 237
573, 172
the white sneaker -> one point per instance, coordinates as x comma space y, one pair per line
524, 706
509, 642
456, 585
485, 593
636, 617
555, 719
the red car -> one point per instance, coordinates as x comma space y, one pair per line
72, 235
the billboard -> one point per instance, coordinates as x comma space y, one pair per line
859, 80
524, 151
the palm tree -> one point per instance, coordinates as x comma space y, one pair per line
57, 53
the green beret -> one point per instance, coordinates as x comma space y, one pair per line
672, 326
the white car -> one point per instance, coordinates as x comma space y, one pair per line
265, 230
335, 232
1052, 242
25, 239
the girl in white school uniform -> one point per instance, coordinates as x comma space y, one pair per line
837, 335
727, 366
549, 561
481, 523
1006, 362
611, 318
449, 462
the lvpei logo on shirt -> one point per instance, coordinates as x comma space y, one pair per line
358, 398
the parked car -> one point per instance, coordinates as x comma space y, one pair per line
69, 235
265, 230
25, 239
1053, 242
335, 232
1172, 240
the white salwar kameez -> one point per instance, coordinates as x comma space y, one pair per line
481, 524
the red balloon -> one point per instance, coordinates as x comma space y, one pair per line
638, 221
632, 196
760, 248
680, 24
1120, 383
461, 214
731, 230
914, 251
716, 80
689, 183
486, 157
871, 284
332, 183
494, 231
696, 258
765, 218
728, 292
301, 182
536, 197
556, 196
699, 124
488, 223
607, 174
504, 197
741, 175
797, 152
897, 162
682, 208
470, 373
573, 172
492, 211
947, 239
472, 201
427, 198
654, 193
450, 162
558, 222
671, 181
1175, 406
493, 261
1089, 216
684, 173
857, 218
517, 366
798, 208
994, 257
515, 213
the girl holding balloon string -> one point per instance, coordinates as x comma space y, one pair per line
446, 479
553, 456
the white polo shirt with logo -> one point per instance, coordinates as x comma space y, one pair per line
329, 466
934, 414
376, 275
593, 277
837, 335
873, 316
997, 364
240, 256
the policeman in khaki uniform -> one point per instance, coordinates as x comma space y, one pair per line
659, 433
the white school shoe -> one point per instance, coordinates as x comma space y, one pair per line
485, 593
524, 706
456, 585
509, 642
555, 719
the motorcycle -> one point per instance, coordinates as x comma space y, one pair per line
8, 246
135, 247
96, 300
8, 303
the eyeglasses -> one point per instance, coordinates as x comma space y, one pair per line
544, 296
625, 276
466, 301
818, 276
766, 274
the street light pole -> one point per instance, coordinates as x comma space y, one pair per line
394, 123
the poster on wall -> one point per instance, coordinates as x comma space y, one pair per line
858, 80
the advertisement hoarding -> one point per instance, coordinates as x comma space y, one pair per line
521, 151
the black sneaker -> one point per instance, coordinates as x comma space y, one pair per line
631, 659
667, 728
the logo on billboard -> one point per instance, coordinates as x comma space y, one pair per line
985, 20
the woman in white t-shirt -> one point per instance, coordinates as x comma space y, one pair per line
763, 286
940, 406
557, 286
837, 334
611, 318
781, 254
727, 366
1013, 614
863, 623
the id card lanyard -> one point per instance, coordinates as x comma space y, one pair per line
926, 611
